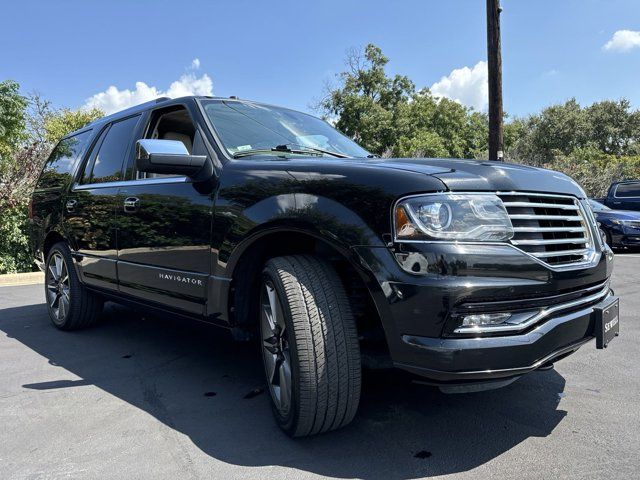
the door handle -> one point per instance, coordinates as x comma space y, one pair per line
71, 205
131, 204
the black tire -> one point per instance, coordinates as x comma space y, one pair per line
322, 344
82, 306
609, 240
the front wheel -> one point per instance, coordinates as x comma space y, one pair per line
69, 303
309, 346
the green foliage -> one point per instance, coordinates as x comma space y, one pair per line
14, 247
608, 127
386, 115
12, 117
59, 123
29, 128
594, 170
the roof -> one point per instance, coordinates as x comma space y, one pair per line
142, 107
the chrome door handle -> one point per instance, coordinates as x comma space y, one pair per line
71, 205
131, 204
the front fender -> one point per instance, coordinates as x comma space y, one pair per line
317, 216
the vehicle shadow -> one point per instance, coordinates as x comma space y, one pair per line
196, 380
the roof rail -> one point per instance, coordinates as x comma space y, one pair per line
134, 109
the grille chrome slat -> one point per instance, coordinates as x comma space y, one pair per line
548, 229
560, 241
560, 253
555, 229
533, 216
541, 205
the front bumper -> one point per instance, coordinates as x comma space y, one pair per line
482, 359
417, 310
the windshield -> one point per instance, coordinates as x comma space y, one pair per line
597, 206
250, 129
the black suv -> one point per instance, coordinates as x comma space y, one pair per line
271, 224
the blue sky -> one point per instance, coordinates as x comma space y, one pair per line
284, 51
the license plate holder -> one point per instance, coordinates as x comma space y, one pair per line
607, 321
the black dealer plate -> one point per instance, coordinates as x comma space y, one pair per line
607, 325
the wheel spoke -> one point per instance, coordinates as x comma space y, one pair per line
53, 296
58, 261
284, 375
63, 306
279, 317
64, 275
273, 301
274, 341
53, 272
271, 362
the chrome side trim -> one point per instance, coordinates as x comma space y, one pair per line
129, 183
542, 314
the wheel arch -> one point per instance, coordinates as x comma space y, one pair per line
246, 265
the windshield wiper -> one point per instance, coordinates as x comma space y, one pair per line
286, 149
269, 151
314, 149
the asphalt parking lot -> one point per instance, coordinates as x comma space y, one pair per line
143, 397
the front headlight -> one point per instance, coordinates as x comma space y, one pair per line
450, 216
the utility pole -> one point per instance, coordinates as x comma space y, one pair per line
494, 56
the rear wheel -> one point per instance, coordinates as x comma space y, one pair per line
309, 346
69, 303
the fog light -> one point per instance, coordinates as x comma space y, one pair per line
483, 319
497, 322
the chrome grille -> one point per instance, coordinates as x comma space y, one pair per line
552, 228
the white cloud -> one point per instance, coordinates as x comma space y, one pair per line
113, 99
623, 41
465, 85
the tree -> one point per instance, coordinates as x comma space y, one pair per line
386, 115
64, 121
12, 117
366, 102
613, 127
40, 129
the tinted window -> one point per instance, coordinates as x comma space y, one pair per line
107, 165
63, 160
628, 190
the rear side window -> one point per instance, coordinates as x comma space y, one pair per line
105, 165
628, 190
63, 160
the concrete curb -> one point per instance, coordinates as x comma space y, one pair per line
29, 278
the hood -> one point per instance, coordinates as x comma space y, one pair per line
618, 215
474, 175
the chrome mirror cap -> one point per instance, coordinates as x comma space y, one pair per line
151, 146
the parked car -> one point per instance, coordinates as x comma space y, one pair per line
623, 195
273, 225
621, 227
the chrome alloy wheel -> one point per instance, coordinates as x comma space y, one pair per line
275, 348
58, 287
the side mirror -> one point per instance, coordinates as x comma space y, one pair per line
169, 157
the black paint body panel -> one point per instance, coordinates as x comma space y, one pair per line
180, 250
